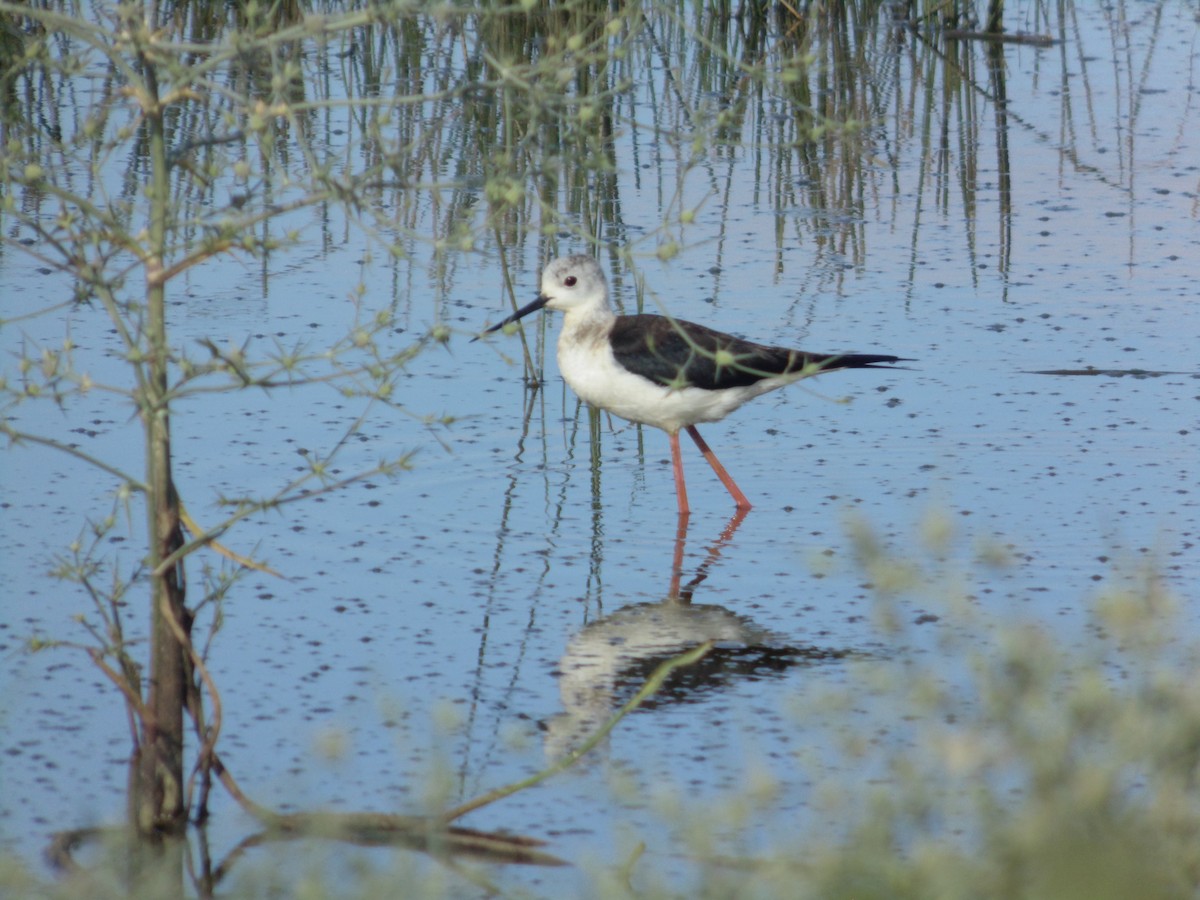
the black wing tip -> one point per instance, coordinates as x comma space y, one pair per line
867, 361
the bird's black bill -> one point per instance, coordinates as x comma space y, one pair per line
519, 314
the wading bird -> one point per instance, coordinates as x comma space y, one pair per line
662, 371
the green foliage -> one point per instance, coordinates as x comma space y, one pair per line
1047, 771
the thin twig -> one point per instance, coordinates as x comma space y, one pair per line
653, 683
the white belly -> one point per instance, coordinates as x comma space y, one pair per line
594, 374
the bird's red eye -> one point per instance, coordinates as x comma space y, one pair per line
570, 280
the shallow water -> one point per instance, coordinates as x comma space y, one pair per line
430, 640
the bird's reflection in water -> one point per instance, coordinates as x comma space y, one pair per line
611, 658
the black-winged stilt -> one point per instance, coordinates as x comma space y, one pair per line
662, 371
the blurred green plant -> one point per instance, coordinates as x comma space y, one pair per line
1044, 770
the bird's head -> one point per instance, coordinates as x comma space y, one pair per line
570, 284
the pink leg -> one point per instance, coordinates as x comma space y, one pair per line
681, 530
738, 497
677, 462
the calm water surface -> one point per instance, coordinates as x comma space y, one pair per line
440, 633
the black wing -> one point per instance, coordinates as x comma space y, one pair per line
683, 354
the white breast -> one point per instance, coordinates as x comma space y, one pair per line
589, 367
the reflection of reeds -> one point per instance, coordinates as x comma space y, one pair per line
491, 125
497, 124
866, 93
478, 128
481, 126
471, 128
